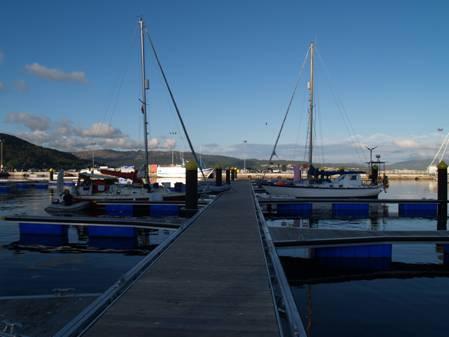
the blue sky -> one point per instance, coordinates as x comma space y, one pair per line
232, 66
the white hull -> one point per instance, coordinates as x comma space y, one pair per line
323, 192
178, 172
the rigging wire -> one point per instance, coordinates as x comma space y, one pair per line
299, 131
320, 130
273, 153
111, 105
440, 153
175, 104
347, 121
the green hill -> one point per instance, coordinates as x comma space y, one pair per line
19, 154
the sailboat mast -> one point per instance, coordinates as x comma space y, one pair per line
311, 105
145, 87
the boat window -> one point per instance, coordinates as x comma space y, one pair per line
354, 177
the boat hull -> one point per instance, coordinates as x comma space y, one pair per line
323, 192
62, 208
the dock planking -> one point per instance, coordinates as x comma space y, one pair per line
212, 281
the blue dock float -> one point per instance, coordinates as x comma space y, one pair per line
164, 210
355, 251
22, 186
120, 210
43, 234
418, 210
42, 229
111, 232
302, 210
350, 210
5, 189
41, 185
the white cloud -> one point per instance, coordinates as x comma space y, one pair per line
38, 137
55, 74
2, 86
63, 135
169, 143
101, 130
32, 122
406, 143
20, 85
153, 143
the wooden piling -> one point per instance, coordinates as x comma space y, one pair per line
232, 174
218, 178
228, 176
442, 196
191, 186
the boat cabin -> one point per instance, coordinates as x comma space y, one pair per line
89, 183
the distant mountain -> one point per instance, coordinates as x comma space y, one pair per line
21, 155
415, 164
120, 158
115, 158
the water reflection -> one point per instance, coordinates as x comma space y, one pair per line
91, 239
402, 291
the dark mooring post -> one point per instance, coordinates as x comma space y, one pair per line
442, 196
235, 173
228, 176
51, 173
191, 186
218, 178
232, 174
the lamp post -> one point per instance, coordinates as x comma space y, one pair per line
93, 155
244, 155
1, 155
172, 133
371, 149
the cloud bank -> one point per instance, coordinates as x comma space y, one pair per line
64, 135
55, 74
32, 122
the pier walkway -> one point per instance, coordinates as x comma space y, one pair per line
212, 281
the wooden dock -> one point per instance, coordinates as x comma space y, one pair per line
212, 281
286, 237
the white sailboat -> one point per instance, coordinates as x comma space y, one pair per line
319, 184
104, 187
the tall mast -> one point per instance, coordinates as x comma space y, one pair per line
145, 87
311, 106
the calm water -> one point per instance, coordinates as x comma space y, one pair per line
338, 298
403, 292
43, 286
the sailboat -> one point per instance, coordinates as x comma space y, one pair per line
104, 187
319, 184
